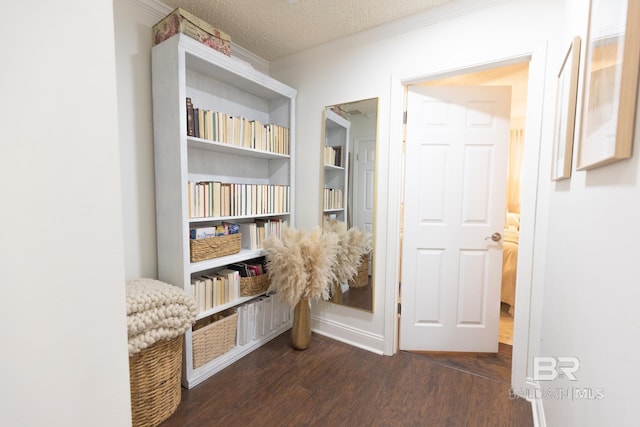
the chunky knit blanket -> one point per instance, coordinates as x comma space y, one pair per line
156, 311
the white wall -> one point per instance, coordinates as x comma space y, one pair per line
363, 66
62, 300
591, 294
133, 22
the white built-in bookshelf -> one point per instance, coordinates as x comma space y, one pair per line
184, 68
336, 167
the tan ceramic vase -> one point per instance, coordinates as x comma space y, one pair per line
301, 330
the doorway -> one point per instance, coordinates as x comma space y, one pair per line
516, 76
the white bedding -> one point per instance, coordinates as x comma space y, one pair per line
509, 267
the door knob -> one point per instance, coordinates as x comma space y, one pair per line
496, 237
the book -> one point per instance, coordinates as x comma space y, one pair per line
242, 325
208, 289
192, 290
190, 118
202, 232
267, 312
217, 198
275, 311
225, 199
233, 278
200, 123
249, 236
251, 321
210, 286
240, 267
218, 291
196, 122
259, 323
208, 125
254, 269
200, 294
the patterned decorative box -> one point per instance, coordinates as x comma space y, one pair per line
181, 21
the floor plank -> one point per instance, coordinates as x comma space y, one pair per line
334, 384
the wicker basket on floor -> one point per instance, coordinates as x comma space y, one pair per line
213, 336
362, 276
154, 376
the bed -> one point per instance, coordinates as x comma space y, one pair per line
510, 260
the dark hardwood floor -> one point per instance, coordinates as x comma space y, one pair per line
495, 367
334, 384
358, 297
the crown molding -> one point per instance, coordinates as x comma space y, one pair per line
154, 7
159, 10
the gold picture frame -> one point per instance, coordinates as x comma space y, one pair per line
610, 83
565, 119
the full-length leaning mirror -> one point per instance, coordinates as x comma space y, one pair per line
348, 185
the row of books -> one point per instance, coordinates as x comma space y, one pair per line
254, 233
223, 287
211, 291
206, 232
333, 156
217, 199
260, 316
333, 198
236, 130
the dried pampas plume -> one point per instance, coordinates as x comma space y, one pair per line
352, 245
300, 263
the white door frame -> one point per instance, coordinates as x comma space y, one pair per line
528, 311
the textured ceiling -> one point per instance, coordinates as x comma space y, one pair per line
272, 29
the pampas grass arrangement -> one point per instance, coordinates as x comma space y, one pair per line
300, 264
352, 245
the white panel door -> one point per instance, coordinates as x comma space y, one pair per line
363, 191
454, 195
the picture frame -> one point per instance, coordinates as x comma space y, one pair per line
610, 83
565, 118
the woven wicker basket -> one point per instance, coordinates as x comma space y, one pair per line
154, 377
214, 247
362, 276
215, 338
250, 286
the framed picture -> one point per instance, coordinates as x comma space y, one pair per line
565, 120
610, 84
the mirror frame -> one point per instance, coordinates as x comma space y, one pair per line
349, 110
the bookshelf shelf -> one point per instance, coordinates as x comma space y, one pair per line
223, 307
184, 69
222, 147
336, 164
243, 255
235, 218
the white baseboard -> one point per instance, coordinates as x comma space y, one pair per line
348, 334
534, 396
537, 410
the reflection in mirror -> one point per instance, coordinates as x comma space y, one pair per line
349, 145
